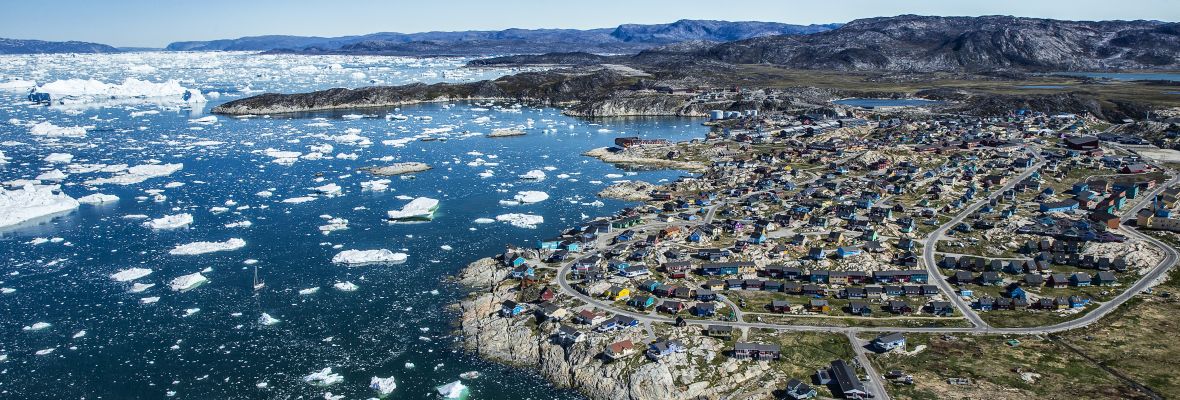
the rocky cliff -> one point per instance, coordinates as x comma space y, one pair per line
21, 46
702, 372
925, 43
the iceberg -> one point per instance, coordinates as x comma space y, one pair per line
74, 91
534, 175
453, 390
59, 158
383, 386
329, 189
37, 326
379, 185
207, 247
368, 257
98, 198
529, 221
345, 286
268, 320
188, 282
149, 300
323, 377
48, 129
31, 202
169, 222
131, 274
530, 196
484, 220
138, 173
140, 287
309, 291
421, 208
52, 175
298, 200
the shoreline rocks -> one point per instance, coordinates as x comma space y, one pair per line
606, 155
629, 191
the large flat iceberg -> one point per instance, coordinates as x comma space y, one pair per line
138, 173
31, 201
207, 247
131, 274
529, 221
188, 282
368, 256
170, 221
75, 91
421, 208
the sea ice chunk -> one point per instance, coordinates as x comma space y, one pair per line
531, 196
169, 221
268, 320
323, 377
131, 274
534, 175
207, 247
188, 282
98, 198
368, 256
383, 386
30, 202
529, 221
419, 208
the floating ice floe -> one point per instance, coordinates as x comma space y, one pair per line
77, 91
484, 220
206, 120
345, 286
79, 334
36, 326
298, 200
131, 274
534, 175
530, 196
169, 222
138, 173
330, 189
31, 202
421, 208
368, 256
268, 320
323, 377
379, 185
149, 300
446, 247
17, 85
529, 221
309, 291
98, 198
44, 352
140, 287
207, 247
239, 224
383, 386
188, 282
48, 129
52, 175
59, 158
188, 312
453, 390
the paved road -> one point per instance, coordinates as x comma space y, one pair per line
934, 237
875, 385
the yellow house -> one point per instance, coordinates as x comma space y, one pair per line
618, 293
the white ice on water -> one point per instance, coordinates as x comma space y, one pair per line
422, 207
368, 256
73, 91
31, 202
324, 377
383, 386
207, 247
529, 221
169, 222
131, 274
187, 282
137, 174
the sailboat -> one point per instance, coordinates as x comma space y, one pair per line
258, 285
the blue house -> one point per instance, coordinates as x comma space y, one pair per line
551, 244
1017, 293
523, 271
758, 238
844, 252
696, 236
517, 261
511, 309
642, 303
1060, 206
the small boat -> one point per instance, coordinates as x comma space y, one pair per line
258, 285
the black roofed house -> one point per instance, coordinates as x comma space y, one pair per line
990, 278
772, 286
930, 290
912, 290
889, 342
706, 295
963, 277
1081, 142
1058, 281
756, 351
899, 307
846, 381
671, 306
569, 335
854, 293
722, 331
780, 306
704, 309
858, 307
1080, 279
941, 308
1105, 278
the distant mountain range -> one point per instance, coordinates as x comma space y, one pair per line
973, 44
22, 46
628, 38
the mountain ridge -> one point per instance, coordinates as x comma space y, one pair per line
32, 46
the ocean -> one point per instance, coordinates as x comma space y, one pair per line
208, 342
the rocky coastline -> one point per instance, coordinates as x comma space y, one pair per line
703, 372
623, 157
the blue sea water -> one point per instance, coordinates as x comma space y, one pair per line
397, 316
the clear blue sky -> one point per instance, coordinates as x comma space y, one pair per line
155, 23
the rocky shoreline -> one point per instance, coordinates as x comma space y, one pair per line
605, 154
703, 372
